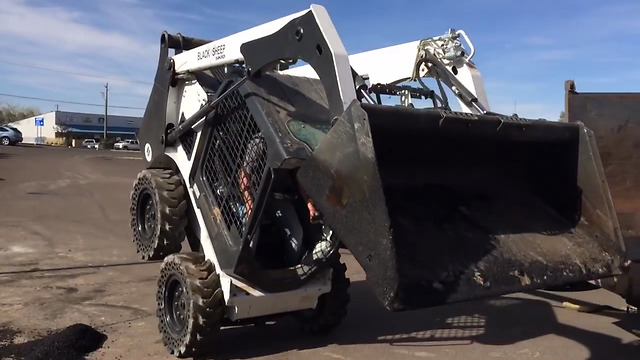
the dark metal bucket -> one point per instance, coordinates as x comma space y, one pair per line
440, 207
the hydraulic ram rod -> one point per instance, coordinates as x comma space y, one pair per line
203, 111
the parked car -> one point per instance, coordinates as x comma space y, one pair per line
129, 144
90, 143
10, 135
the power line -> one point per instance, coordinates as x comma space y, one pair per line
70, 72
70, 102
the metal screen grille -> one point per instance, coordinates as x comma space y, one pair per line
235, 161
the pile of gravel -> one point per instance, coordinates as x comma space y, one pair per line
70, 343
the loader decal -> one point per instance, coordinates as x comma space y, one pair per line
216, 51
148, 153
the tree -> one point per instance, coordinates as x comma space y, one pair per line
10, 113
563, 116
62, 131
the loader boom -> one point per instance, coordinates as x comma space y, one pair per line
240, 48
448, 62
307, 35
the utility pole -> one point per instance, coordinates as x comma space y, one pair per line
106, 106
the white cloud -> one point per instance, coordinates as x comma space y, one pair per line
116, 42
589, 31
528, 110
552, 55
593, 46
507, 97
57, 29
609, 20
243, 17
537, 40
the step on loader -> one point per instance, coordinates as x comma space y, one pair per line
266, 173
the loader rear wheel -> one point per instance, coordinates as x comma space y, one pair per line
190, 304
158, 213
332, 306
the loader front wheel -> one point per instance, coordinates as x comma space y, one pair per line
158, 213
190, 304
332, 306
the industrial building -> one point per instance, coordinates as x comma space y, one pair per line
64, 127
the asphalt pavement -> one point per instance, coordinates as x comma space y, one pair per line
66, 257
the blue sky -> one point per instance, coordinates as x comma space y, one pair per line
524, 50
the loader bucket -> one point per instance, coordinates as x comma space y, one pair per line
615, 120
441, 207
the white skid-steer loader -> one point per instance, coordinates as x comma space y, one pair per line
268, 169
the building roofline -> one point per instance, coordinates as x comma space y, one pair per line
76, 113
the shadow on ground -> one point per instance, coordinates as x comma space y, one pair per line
500, 321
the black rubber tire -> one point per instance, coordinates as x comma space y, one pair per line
332, 306
5, 141
164, 191
203, 304
633, 287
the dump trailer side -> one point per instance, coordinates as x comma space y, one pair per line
614, 118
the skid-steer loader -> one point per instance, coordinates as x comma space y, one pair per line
266, 174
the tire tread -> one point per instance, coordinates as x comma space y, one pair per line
170, 195
206, 304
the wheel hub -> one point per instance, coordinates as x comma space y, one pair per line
5, 141
146, 215
175, 299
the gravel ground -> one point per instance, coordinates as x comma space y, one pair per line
67, 264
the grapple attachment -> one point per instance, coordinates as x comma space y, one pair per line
440, 207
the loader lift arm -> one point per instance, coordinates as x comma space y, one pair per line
308, 35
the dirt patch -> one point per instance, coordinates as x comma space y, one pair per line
70, 343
